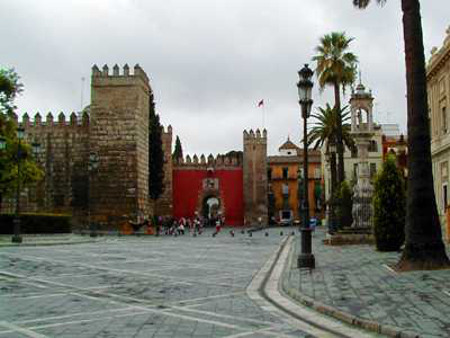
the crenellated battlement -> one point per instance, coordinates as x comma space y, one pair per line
255, 136
117, 75
73, 121
202, 162
167, 130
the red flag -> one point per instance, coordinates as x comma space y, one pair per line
261, 103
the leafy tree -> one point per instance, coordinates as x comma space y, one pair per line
178, 151
155, 155
344, 207
336, 67
424, 248
10, 157
389, 201
10, 87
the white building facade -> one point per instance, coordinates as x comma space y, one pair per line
438, 88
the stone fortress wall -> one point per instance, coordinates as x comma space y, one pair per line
63, 157
113, 130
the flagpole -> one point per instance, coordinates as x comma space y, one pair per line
263, 116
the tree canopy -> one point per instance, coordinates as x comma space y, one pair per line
10, 157
178, 151
336, 67
155, 154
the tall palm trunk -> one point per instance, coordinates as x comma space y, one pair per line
424, 248
332, 200
339, 141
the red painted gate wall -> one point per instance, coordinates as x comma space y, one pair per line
188, 187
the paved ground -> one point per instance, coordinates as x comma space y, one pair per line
358, 280
138, 287
47, 239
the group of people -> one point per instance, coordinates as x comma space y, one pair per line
185, 225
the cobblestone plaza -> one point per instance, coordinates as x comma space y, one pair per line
138, 287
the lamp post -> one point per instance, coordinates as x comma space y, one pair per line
16, 237
92, 165
306, 258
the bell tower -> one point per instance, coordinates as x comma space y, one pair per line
362, 129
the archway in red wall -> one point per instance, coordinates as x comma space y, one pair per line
211, 206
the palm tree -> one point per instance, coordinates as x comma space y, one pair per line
424, 248
324, 133
336, 67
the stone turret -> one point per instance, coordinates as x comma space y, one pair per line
119, 138
255, 176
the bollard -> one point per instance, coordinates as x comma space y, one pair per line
242, 232
281, 233
267, 234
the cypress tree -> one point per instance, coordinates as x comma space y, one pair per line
178, 151
155, 155
389, 202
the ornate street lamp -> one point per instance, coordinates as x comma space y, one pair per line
16, 237
306, 258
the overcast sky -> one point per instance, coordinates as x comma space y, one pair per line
209, 61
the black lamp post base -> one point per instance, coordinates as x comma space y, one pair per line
16, 239
306, 260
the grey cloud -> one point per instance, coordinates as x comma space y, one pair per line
209, 62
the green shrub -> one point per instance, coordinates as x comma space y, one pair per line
36, 223
389, 202
344, 204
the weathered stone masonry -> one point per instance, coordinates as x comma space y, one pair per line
114, 130
119, 137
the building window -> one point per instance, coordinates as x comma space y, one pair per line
373, 169
355, 171
285, 173
269, 174
285, 189
354, 151
444, 120
373, 147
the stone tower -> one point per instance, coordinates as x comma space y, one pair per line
361, 103
119, 141
255, 177
165, 201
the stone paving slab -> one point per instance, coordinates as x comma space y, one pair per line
47, 239
138, 287
357, 279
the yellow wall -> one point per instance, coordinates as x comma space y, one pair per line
277, 182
